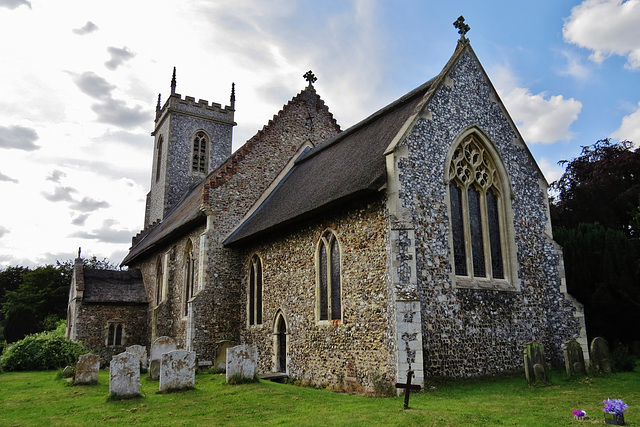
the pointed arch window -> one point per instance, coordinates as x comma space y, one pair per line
115, 334
159, 281
190, 269
159, 158
476, 198
255, 291
199, 152
328, 277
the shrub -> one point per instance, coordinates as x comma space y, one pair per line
42, 351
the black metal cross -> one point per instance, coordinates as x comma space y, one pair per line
310, 77
408, 387
463, 28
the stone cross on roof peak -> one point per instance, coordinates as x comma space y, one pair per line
310, 77
463, 28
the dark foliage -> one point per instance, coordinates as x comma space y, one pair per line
601, 185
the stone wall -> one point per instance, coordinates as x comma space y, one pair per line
95, 319
352, 353
474, 331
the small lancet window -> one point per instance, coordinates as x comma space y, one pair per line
159, 158
255, 291
328, 268
475, 198
159, 281
190, 269
114, 336
199, 157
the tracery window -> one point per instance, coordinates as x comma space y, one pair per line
199, 154
328, 276
159, 281
476, 201
115, 334
189, 284
255, 291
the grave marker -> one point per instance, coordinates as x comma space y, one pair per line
535, 364
141, 352
124, 376
573, 359
178, 370
242, 362
600, 361
87, 369
408, 387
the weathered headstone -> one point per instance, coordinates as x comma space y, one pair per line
160, 346
220, 360
141, 352
154, 370
574, 359
535, 365
124, 376
87, 369
600, 360
178, 370
242, 362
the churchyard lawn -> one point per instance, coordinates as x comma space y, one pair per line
41, 398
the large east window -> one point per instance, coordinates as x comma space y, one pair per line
476, 197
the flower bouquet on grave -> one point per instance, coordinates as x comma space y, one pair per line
614, 411
580, 415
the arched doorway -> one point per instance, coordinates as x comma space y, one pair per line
280, 343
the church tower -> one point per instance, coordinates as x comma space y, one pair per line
191, 139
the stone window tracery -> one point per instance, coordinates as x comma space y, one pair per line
328, 277
199, 152
255, 291
477, 206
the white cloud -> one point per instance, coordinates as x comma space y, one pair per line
3, 231
89, 27
574, 66
630, 128
19, 137
12, 4
118, 57
606, 27
539, 117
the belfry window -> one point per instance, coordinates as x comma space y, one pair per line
328, 277
159, 158
476, 201
255, 291
199, 154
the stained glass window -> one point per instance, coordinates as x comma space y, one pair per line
474, 198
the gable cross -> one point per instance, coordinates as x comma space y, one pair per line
463, 28
310, 77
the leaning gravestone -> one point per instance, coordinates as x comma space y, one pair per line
220, 359
242, 362
600, 360
178, 370
124, 376
159, 347
87, 369
535, 368
573, 359
141, 352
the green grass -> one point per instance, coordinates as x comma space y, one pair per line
41, 398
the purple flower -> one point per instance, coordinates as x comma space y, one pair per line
579, 414
614, 406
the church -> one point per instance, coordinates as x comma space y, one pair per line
419, 238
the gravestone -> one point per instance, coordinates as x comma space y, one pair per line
220, 359
154, 370
160, 346
535, 365
242, 362
178, 370
573, 359
141, 352
87, 369
600, 360
124, 376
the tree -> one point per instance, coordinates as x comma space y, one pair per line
601, 185
596, 218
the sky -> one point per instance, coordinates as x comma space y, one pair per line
80, 81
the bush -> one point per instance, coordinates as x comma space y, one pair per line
42, 351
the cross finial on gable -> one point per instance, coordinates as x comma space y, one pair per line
463, 28
310, 77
